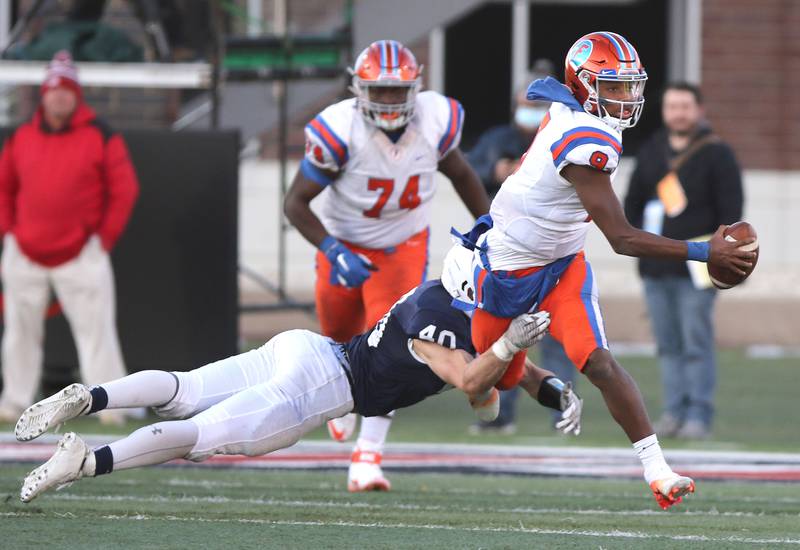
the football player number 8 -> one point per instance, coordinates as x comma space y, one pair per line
409, 199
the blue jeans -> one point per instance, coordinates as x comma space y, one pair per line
682, 320
553, 358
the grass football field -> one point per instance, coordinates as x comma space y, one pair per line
215, 508
185, 507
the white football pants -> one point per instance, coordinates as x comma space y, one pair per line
265, 399
85, 288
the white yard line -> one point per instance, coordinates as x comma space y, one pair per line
289, 503
380, 525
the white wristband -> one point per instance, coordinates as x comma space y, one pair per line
503, 349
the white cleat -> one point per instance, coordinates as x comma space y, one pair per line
365, 473
64, 467
342, 428
70, 402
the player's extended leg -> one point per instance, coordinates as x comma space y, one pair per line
578, 324
306, 386
173, 394
399, 270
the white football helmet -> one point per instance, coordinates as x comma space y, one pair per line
458, 276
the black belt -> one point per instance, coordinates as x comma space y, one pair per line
344, 361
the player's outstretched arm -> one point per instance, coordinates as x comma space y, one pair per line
598, 198
466, 182
476, 376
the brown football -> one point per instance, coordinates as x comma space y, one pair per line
725, 278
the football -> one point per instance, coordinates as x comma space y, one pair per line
725, 278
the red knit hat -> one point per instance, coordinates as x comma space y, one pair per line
62, 73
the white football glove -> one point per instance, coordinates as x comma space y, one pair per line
572, 407
486, 405
523, 332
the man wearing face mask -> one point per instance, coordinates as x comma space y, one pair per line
495, 157
498, 150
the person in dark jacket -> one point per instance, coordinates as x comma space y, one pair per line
67, 189
497, 152
686, 184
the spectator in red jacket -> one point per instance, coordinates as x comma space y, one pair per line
67, 188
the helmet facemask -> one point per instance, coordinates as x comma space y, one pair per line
628, 110
386, 116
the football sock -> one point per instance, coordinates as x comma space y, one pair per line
148, 388
99, 399
374, 430
649, 452
153, 444
98, 462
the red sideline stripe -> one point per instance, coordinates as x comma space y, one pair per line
330, 141
579, 135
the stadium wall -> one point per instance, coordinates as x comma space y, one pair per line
750, 76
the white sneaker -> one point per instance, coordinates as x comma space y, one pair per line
64, 467
365, 473
342, 428
70, 402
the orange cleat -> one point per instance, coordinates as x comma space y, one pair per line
671, 490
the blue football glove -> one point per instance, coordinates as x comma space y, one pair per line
347, 268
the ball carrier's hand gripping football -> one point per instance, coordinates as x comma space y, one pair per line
347, 268
740, 236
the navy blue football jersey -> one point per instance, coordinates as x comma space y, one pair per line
387, 374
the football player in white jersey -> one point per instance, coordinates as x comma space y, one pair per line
373, 158
268, 398
531, 246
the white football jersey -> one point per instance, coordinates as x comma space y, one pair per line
538, 217
383, 191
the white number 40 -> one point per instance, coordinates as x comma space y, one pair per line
429, 332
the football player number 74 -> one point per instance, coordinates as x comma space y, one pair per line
409, 199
